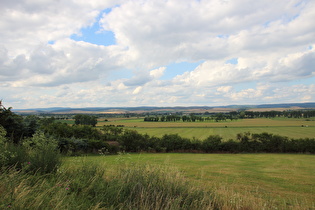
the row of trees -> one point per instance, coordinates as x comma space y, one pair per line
76, 139
110, 139
86, 138
134, 142
190, 118
230, 116
83, 119
272, 114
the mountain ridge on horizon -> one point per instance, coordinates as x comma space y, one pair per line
151, 108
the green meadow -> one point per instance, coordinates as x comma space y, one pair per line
239, 181
35, 176
292, 128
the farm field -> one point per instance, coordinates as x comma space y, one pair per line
273, 181
292, 128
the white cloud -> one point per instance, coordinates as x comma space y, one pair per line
160, 31
224, 89
25, 24
273, 42
157, 73
137, 90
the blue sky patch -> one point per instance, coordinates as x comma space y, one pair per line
232, 61
94, 34
243, 86
175, 69
223, 36
51, 42
304, 81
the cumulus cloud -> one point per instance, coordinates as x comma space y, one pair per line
161, 30
137, 90
270, 43
157, 73
25, 24
142, 78
224, 89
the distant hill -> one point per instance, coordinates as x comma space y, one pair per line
188, 109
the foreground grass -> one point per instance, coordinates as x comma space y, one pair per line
89, 186
239, 181
166, 181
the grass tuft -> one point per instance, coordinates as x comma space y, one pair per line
89, 187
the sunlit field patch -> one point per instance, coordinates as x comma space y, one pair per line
292, 128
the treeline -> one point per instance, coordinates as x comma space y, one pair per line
132, 141
83, 119
111, 139
78, 139
190, 118
229, 116
272, 114
20, 127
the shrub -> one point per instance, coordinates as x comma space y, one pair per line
12, 155
230, 146
212, 143
44, 156
132, 141
174, 142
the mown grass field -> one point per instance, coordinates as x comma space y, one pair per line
291, 128
272, 181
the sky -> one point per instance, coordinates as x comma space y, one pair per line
128, 53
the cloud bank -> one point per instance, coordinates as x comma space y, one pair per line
246, 52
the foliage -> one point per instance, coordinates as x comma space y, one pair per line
231, 116
83, 119
78, 139
43, 154
13, 124
38, 154
111, 132
32, 124
12, 155
174, 142
16, 126
212, 143
3, 133
132, 141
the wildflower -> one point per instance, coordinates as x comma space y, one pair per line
67, 188
28, 163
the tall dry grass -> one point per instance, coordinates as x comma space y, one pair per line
89, 187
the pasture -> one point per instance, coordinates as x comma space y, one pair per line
252, 181
292, 128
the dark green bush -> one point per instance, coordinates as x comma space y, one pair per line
212, 143
132, 141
